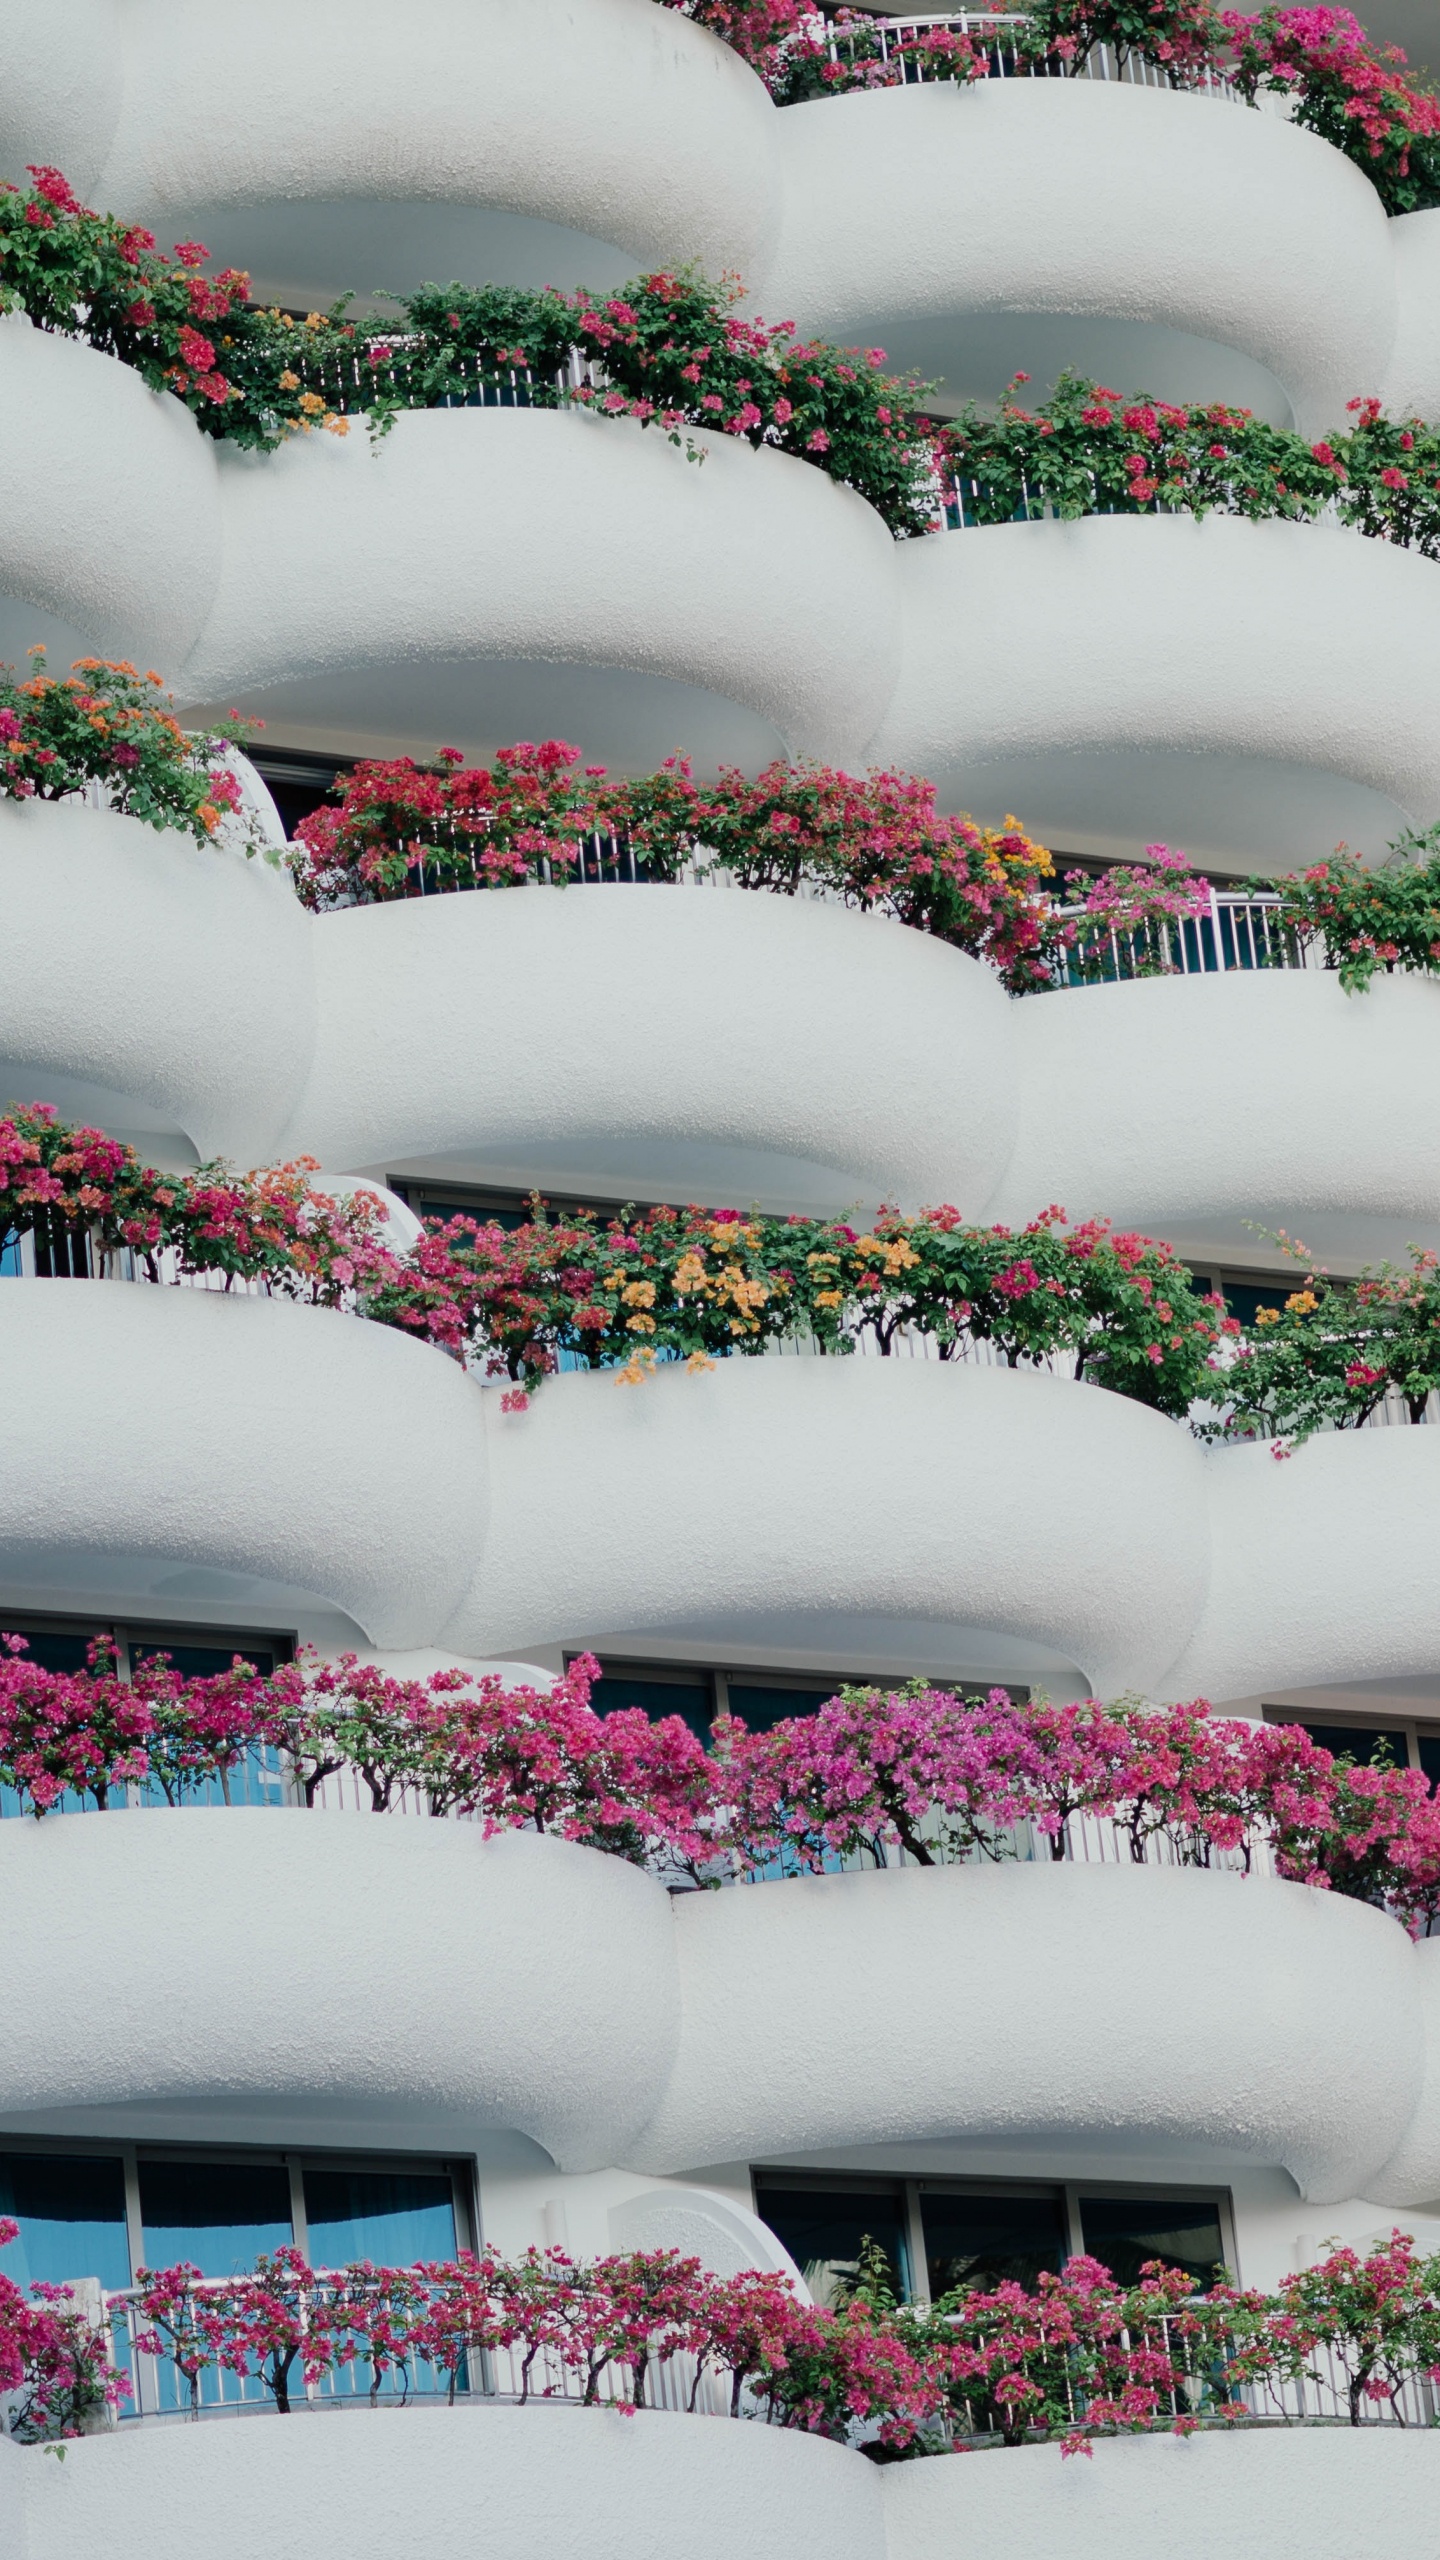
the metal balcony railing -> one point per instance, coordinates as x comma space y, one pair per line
998, 31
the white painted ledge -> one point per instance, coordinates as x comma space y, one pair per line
1304, 645
489, 2483
1084, 198
807, 2021
517, 1982
522, 2484
789, 1494
841, 1505
193, 982
177, 973
238, 1435
605, 1025
1368, 2494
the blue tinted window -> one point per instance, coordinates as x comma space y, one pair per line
71, 2213
668, 1694
1125, 2232
393, 2217
760, 1707
218, 2215
1361, 1741
823, 2228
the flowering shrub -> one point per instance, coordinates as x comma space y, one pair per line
1135, 906
1368, 919
853, 50
91, 275
1183, 37
106, 723
1327, 1357
54, 2368
1347, 91
874, 1774
1088, 450
1083, 2355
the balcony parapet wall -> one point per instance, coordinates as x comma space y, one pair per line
334, 1457
523, 1984
521, 2484
193, 982
624, 123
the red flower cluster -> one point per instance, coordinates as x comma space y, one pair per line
53, 2363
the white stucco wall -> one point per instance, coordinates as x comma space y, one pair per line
239, 1435
807, 2021
456, 2484
516, 1982
142, 961
931, 202
1347, 2496
864, 1489
1304, 644
1411, 381
656, 1018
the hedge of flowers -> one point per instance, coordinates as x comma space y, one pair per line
674, 349
1082, 2356
875, 1776
54, 2368
622, 1292
105, 723
1088, 450
1329, 1354
1368, 919
1353, 94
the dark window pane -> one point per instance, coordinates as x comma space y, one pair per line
53, 1652
822, 2227
989, 2240
393, 2218
1244, 1298
760, 1707
668, 1694
1123, 2231
1361, 1741
217, 2214
71, 2213
203, 1661
1428, 1745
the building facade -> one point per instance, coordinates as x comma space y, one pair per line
232, 2027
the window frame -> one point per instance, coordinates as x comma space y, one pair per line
1069, 2190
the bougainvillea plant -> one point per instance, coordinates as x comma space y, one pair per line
104, 723
1347, 90
55, 2369
1369, 919
1082, 2356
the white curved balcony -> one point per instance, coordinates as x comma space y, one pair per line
507, 572
109, 506
894, 1514
1194, 245
840, 1507
559, 145
174, 1440
546, 2479
523, 1985
807, 2023
155, 984
640, 1076
1410, 383
1142, 236
1217, 684
495, 1959
562, 2479
177, 977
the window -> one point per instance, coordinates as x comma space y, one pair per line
1411, 1745
1123, 2232
393, 2216
71, 2212
761, 1698
942, 2232
823, 2222
218, 2215
988, 2239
